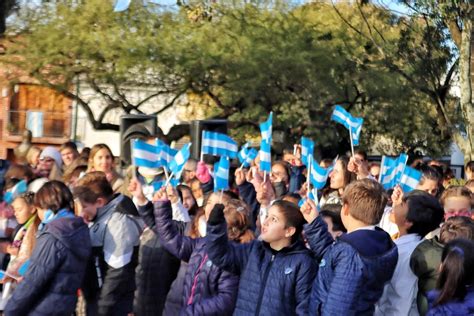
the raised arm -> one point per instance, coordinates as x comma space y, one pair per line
227, 255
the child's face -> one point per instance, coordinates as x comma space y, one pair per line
188, 200
399, 214
273, 227
429, 186
331, 230
23, 211
457, 206
89, 210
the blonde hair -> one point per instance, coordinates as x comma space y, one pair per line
31, 153
455, 191
366, 200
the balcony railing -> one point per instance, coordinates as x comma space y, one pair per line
40, 123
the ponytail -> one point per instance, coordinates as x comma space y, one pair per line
456, 271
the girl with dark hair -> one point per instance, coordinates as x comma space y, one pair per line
58, 262
276, 272
454, 294
339, 178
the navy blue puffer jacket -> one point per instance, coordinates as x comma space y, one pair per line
208, 290
271, 283
56, 270
352, 270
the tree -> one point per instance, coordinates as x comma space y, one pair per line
247, 59
446, 30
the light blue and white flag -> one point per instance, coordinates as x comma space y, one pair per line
410, 179
312, 195
247, 155
18, 189
353, 124
318, 175
391, 170
221, 174
307, 149
122, 5
158, 185
218, 144
166, 153
145, 155
266, 129
265, 156
177, 164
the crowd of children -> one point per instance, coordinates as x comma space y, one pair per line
78, 238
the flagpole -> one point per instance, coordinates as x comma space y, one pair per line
264, 176
310, 158
381, 168
404, 167
202, 152
134, 169
169, 179
294, 149
220, 196
166, 173
242, 165
352, 144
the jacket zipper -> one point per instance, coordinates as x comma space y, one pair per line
262, 287
193, 288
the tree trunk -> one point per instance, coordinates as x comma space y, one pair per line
466, 78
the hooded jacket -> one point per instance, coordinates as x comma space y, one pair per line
452, 308
207, 290
56, 270
110, 277
352, 270
271, 283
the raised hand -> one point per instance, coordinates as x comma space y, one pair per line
309, 210
135, 188
160, 195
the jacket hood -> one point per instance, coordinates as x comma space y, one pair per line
376, 249
119, 203
73, 233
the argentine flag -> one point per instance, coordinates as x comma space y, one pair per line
307, 149
266, 129
218, 144
312, 195
265, 156
353, 124
145, 155
391, 170
166, 153
410, 179
177, 164
318, 175
221, 174
246, 155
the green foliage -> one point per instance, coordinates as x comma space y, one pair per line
251, 59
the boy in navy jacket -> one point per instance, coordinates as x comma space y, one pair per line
354, 268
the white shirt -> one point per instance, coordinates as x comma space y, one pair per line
386, 224
399, 295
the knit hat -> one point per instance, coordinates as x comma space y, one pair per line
53, 153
